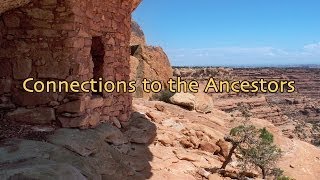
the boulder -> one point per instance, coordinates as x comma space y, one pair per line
204, 103
40, 115
141, 131
185, 100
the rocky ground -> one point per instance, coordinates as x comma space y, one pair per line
162, 141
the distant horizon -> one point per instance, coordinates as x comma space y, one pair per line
233, 33
311, 66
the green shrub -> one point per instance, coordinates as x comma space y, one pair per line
284, 178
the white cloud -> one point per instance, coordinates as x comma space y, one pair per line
308, 54
312, 47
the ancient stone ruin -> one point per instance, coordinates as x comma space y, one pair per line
52, 40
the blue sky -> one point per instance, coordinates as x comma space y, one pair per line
233, 32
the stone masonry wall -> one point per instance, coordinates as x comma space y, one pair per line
51, 40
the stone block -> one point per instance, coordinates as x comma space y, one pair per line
40, 14
95, 102
11, 20
72, 107
5, 67
54, 69
50, 67
87, 120
5, 85
41, 115
48, 2
23, 98
22, 68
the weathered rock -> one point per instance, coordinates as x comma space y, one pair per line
22, 68
112, 135
184, 155
203, 103
165, 139
39, 115
11, 4
172, 124
160, 107
11, 21
147, 62
72, 107
95, 103
84, 121
137, 35
156, 116
116, 122
40, 169
105, 162
141, 131
5, 68
195, 141
5, 85
214, 177
209, 147
23, 98
7, 106
224, 148
84, 143
185, 100
186, 143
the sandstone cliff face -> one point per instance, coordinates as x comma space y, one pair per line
147, 62
137, 34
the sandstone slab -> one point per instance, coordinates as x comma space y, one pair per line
39, 115
83, 121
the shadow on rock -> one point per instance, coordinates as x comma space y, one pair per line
105, 152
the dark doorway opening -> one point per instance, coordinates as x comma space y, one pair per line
97, 53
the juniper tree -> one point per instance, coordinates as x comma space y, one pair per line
239, 136
255, 148
263, 154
